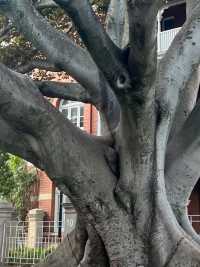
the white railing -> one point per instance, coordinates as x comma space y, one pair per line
195, 218
22, 245
165, 39
195, 222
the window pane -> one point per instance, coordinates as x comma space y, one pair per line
81, 122
65, 102
81, 111
74, 115
65, 112
81, 116
169, 23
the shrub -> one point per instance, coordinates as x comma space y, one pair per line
25, 255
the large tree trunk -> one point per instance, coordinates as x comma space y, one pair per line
130, 188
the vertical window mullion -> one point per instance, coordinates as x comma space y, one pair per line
69, 113
73, 111
78, 116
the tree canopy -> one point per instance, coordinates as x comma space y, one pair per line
16, 181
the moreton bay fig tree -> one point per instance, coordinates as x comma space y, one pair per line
130, 187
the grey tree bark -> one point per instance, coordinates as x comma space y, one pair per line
130, 188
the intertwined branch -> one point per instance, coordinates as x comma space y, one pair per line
68, 91
107, 56
175, 72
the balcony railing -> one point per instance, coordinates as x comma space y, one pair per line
165, 39
194, 218
195, 222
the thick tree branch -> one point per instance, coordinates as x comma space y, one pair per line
66, 151
27, 111
14, 138
37, 64
168, 101
68, 91
187, 102
183, 219
116, 22
179, 63
104, 52
143, 40
69, 157
169, 223
22, 144
95, 253
175, 69
190, 6
71, 250
188, 94
60, 50
65, 55
181, 58
182, 161
75, 92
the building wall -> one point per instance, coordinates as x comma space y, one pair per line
43, 195
90, 119
46, 196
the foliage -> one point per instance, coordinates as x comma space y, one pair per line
25, 255
15, 181
102, 4
15, 50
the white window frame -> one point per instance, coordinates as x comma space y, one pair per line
69, 106
56, 210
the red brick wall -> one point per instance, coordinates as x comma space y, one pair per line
90, 119
94, 120
46, 195
43, 195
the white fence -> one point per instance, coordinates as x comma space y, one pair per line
194, 219
165, 39
23, 245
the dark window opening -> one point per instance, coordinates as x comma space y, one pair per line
168, 23
173, 17
194, 207
60, 216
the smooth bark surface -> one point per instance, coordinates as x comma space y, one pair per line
68, 91
71, 251
130, 188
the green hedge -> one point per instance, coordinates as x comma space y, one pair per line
27, 255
